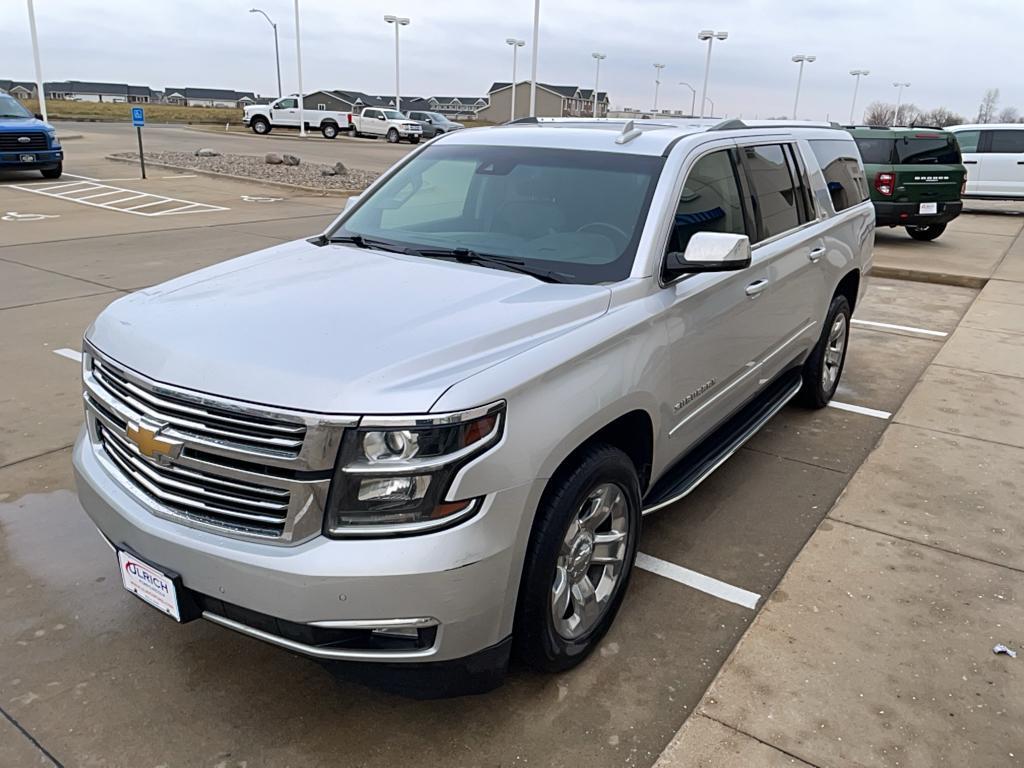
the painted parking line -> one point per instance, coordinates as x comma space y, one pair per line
894, 327
698, 581
70, 354
860, 409
92, 192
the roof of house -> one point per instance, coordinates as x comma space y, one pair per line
565, 91
461, 99
9, 85
588, 94
101, 89
225, 94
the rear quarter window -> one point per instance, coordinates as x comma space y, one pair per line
877, 151
844, 174
1007, 142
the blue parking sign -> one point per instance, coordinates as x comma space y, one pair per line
138, 117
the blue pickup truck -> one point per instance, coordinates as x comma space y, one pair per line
26, 142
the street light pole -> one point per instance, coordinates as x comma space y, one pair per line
516, 45
398, 22
899, 100
657, 82
693, 98
709, 101
597, 77
800, 59
710, 36
298, 58
533, 67
277, 51
35, 54
856, 86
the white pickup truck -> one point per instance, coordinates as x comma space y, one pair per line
389, 123
284, 113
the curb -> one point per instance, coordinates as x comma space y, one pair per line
69, 137
249, 134
203, 172
921, 276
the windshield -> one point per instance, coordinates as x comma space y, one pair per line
576, 213
392, 114
920, 149
9, 107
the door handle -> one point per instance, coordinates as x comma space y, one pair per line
755, 288
815, 254
970, 162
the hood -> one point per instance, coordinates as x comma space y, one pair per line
336, 329
15, 124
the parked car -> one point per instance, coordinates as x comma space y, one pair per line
284, 113
389, 123
428, 435
434, 123
26, 142
994, 153
916, 177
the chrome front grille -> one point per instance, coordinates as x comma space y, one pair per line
233, 468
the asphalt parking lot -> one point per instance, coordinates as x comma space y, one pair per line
89, 676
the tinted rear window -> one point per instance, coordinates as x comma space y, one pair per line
939, 149
877, 151
843, 172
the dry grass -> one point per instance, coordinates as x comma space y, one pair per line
155, 113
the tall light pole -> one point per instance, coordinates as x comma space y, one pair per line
657, 82
709, 101
856, 86
399, 22
693, 98
516, 45
298, 58
800, 59
710, 36
35, 54
597, 77
277, 51
899, 100
533, 67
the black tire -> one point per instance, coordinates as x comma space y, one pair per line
260, 126
53, 173
392, 136
329, 130
414, 140
818, 388
926, 232
536, 639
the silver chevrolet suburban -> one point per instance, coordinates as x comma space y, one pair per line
426, 438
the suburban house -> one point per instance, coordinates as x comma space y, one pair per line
454, 106
115, 93
552, 101
208, 97
355, 101
19, 89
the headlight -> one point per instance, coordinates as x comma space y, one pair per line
393, 472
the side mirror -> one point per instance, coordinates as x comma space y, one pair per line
37, 116
430, 120
351, 202
380, 117
711, 252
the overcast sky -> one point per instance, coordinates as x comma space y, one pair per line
456, 47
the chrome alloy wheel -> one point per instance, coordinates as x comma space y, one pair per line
590, 562
832, 360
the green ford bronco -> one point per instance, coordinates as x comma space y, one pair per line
916, 177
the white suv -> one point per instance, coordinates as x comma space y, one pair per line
994, 156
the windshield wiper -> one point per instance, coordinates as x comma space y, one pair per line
367, 242
467, 256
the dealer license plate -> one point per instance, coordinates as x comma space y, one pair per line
928, 208
149, 583
28, 158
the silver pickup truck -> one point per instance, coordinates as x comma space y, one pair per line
427, 437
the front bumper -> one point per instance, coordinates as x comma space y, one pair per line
461, 582
904, 214
44, 159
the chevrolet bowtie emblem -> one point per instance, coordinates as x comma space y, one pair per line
146, 438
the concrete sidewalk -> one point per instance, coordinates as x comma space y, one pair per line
876, 648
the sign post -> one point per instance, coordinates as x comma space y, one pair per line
139, 120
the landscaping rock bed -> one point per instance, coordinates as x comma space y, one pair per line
256, 167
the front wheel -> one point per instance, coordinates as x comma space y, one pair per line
329, 130
260, 126
823, 369
926, 232
53, 173
579, 560
393, 136
414, 140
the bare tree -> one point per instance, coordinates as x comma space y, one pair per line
987, 109
909, 113
879, 113
1008, 115
940, 117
